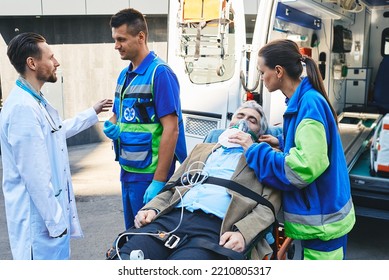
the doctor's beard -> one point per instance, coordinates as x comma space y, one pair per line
46, 77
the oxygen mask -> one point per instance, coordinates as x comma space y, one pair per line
242, 125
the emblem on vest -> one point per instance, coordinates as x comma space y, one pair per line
129, 114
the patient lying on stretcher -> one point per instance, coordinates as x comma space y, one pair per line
213, 207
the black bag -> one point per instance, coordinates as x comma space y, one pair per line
343, 40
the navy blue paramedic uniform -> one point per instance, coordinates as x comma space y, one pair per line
165, 100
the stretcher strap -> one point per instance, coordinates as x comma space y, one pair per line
232, 185
242, 190
206, 244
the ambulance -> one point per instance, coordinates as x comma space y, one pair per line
213, 46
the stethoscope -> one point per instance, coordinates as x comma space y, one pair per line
23, 84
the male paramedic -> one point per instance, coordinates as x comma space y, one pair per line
215, 214
39, 200
146, 126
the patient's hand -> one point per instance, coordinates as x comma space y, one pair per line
242, 138
233, 240
144, 217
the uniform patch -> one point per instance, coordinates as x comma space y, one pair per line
129, 114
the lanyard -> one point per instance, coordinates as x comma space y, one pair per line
23, 84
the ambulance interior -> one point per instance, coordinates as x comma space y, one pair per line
350, 42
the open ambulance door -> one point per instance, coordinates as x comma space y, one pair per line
263, 28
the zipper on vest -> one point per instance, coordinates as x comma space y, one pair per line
119, 119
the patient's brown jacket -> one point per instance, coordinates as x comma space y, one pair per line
243, 213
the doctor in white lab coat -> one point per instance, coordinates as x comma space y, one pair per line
39, 200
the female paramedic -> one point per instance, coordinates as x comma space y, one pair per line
311, 168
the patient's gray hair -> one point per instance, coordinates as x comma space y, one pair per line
264, 125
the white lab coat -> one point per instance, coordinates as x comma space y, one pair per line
37, 186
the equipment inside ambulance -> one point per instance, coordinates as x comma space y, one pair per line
205, 28
379, 149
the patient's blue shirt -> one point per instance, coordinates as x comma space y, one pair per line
213, 199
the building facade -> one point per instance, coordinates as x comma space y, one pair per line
80, 36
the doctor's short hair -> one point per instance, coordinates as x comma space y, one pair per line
252, 104
21, 47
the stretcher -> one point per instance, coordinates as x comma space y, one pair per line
356, 129
283, 247
370, 190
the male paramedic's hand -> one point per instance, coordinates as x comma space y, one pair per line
103, 105
144, 217
232, 240
152, 190
111, 130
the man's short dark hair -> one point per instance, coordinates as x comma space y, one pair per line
134, 19
23, 46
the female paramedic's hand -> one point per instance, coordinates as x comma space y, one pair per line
144, 217
233, 240
270, 139
103, 105
241, 138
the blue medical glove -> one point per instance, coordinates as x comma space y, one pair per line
111, 130
152, 190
